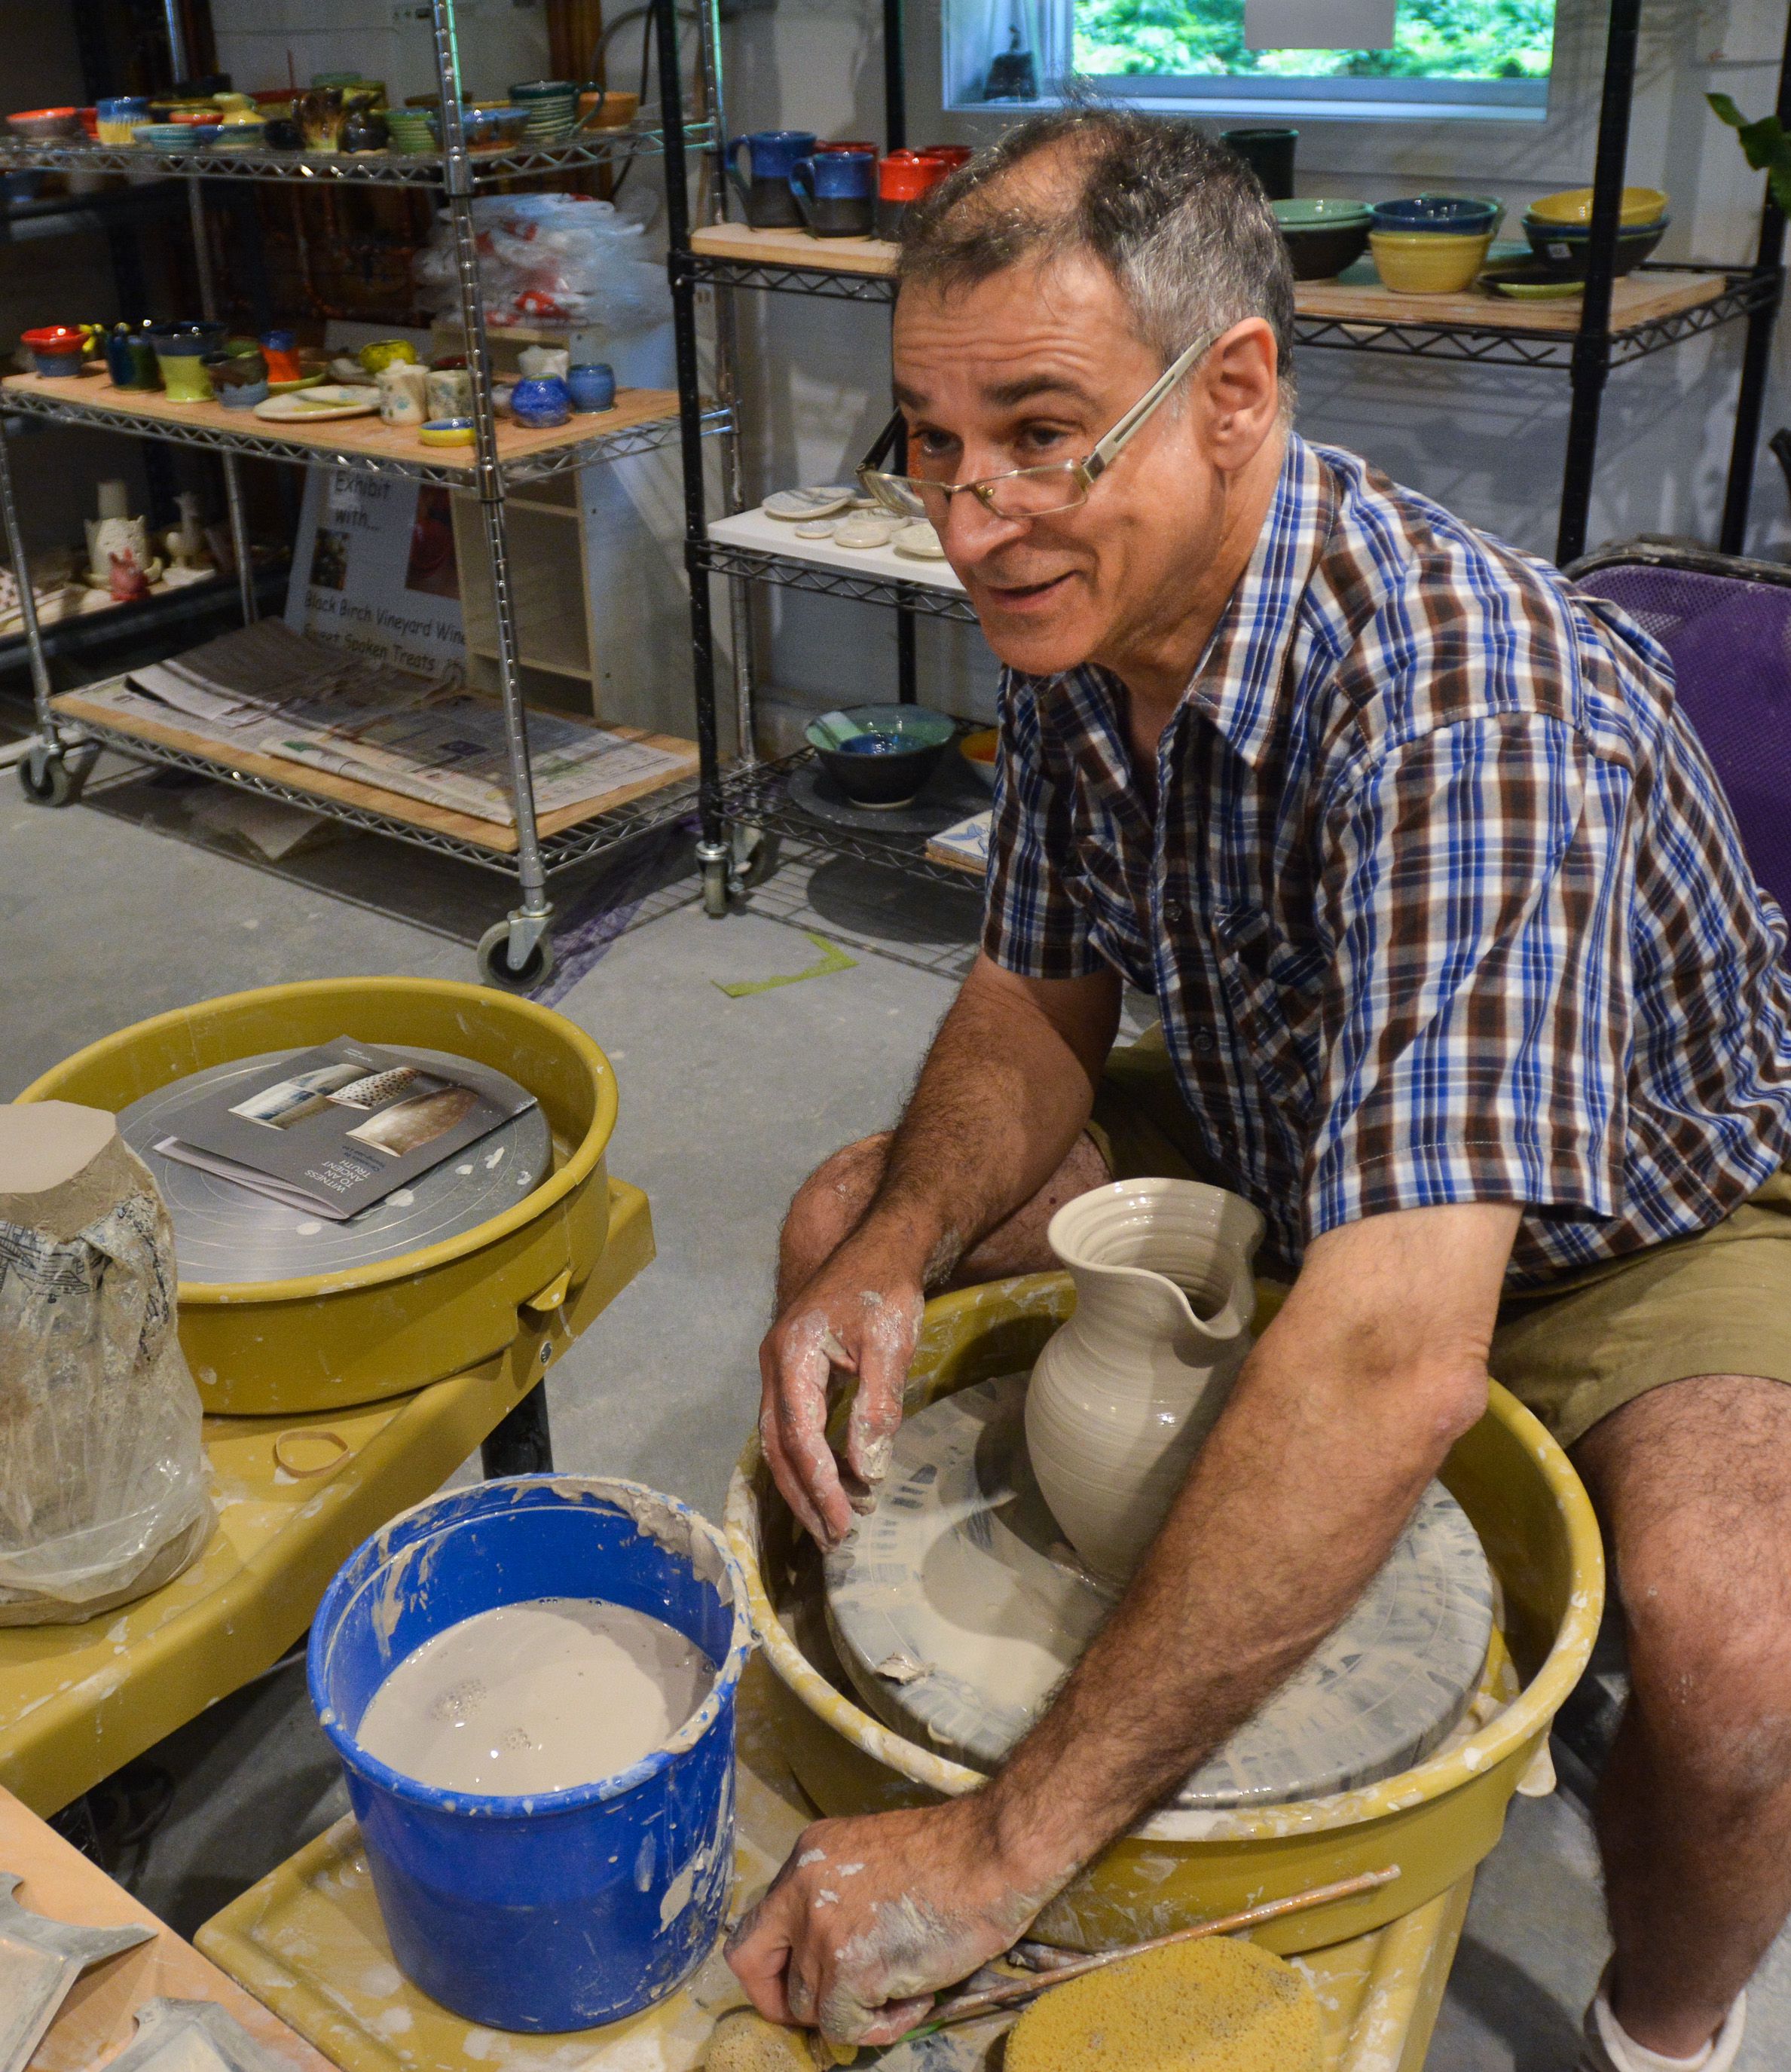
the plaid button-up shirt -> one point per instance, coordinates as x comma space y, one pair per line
1440, 900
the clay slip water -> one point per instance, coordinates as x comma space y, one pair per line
535, 1697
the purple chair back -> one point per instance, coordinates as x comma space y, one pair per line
1726, 624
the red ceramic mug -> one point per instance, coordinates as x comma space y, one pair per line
949, 155
902, 178
869, 150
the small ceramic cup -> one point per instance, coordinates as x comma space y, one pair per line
403, 393
321, 114
836, 193
239, 378
386, 352
181, 352
118, 119
450, 392
130, 358
544, 363
592, 385
540, 404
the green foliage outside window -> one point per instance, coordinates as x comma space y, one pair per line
1433, 39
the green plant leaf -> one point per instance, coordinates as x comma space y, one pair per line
1726, 111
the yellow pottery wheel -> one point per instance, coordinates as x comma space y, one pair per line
325, 1342
1436, 1821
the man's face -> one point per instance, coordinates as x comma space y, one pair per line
1033, 365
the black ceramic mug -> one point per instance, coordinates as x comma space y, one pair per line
1269, 155
836, 193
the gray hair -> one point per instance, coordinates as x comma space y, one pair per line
1179, 221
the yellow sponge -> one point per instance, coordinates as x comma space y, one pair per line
1213, 2006
745, 2041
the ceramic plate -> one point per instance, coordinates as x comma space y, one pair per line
792, 505
1530, 284
957, 1609
304, 381
328, 400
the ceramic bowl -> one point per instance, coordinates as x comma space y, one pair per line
447, 432
176, 136
43, 125
889, 756
980, 750
1428, 262
1574, 205
493, 128
1564, 248
1441, 215
249, 136
56, 349
1323, 236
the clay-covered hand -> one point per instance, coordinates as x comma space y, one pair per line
869, 1918
860, 1314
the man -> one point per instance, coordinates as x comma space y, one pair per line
1464, 981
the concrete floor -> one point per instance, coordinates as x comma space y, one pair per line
128, 904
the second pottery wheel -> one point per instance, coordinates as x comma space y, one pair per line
957, 1609
223, 1233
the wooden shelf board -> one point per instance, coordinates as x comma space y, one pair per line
579, 672
359, 435
795, 247
326, 786
1639, 297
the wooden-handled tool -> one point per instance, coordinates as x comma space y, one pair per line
966, 2007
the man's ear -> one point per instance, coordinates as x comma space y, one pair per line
1242, 393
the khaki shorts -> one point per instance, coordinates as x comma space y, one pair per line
1718, 1302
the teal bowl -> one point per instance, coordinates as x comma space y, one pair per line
880, 755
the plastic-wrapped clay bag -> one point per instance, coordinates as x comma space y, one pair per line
104, 1492
550, 259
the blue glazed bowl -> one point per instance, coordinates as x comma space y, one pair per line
1461, 216
541, 403
880, 755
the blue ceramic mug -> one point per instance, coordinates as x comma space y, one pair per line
593, 385
769, 203
836, 193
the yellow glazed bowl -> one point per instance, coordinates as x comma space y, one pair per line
1436, 1821
1640, 205
1425, 262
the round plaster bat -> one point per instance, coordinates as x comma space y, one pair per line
817, 528
919, 542
794, 505
859, 531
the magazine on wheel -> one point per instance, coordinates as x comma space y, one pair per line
334, 1130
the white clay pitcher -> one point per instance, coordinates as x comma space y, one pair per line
1125, 1392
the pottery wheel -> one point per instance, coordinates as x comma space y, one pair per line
225, 1232
942, 799
957, 1608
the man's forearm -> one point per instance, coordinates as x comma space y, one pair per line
1002, 1097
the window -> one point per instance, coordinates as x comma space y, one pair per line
1485, 59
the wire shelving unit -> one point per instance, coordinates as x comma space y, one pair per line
516, 950
1614, 324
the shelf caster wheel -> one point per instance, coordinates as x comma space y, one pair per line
714, 887
496, 969
755, 858
48, 779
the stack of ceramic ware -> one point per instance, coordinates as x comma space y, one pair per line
413, 129
1559, 227
551, 106
1433, 244
1322, 235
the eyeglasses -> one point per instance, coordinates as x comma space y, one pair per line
1024, 492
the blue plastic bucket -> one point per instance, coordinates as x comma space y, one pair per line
571, 1908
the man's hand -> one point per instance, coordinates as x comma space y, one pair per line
862, 1312
870, 1917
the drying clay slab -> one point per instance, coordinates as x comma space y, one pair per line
820, 503
224, 1232
919, 542
45, 1143
961, 1574
193, 2036
40, 1960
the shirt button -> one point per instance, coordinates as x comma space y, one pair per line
1173, 910
1204, 1041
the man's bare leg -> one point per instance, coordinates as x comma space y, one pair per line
831, 1201
1693, 1483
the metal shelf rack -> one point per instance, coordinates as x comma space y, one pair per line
517, 951
1616, 323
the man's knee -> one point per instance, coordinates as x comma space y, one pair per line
828, 1204
1710, 1659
